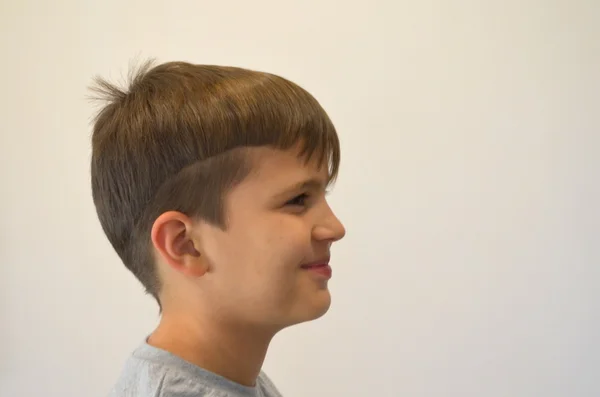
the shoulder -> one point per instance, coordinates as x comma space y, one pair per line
152, 372
141, 378
266, 386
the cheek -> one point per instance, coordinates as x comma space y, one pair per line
260, 261
284, 242
274, 252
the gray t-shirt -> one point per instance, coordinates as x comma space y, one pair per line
152, 372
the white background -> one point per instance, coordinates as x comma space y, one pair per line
469, 186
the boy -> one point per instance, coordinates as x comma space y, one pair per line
210, 184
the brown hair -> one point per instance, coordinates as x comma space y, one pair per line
174, 139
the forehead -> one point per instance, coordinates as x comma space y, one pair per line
274, 168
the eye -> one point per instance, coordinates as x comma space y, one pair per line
299, 200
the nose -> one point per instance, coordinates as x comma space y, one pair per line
329, 228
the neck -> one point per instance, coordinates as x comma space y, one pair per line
232, 351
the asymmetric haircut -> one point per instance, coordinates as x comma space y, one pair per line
174, 139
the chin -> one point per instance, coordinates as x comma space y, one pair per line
316, 308
323, 308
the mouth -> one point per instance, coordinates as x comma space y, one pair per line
319, 268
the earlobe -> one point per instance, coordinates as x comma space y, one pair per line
172, 239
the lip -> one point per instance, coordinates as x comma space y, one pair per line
320, 262
320, 268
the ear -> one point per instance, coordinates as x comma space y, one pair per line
172, 238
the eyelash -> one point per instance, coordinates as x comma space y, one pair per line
303, 197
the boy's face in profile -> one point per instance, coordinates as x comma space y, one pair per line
278, 222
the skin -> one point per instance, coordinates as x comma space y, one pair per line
226, 293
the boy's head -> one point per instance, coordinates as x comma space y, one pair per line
210, 185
